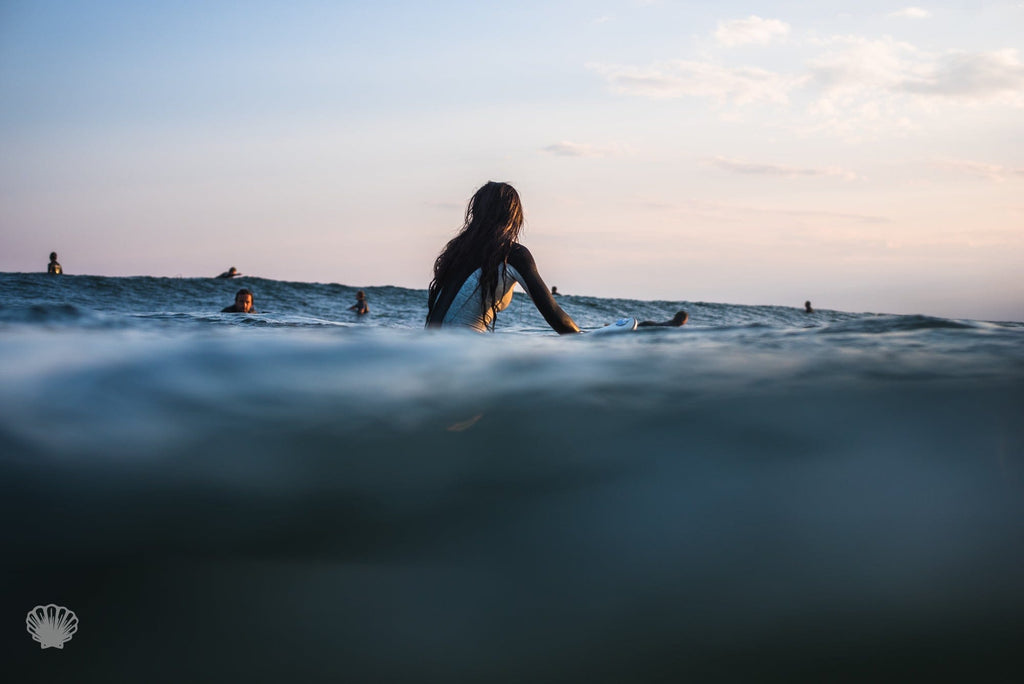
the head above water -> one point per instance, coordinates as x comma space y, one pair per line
360, 294
243, 300
53, 256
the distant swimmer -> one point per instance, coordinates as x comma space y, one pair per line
555, 292
230, 273
807, 307
677, 321
54, 267
360, 306
477, 270
243, 303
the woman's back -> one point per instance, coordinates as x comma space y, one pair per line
475, 273
464, 304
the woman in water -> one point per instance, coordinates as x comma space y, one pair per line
475, 273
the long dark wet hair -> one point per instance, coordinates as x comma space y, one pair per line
494, 217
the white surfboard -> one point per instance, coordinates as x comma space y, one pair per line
622, 325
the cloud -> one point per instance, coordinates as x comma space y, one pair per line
911, 13
970, 76
566, 148
854, 64
836, 215
752, 30
993, 172
739, 214
761, 169
678, 78
854, 86
864, 85
859, 66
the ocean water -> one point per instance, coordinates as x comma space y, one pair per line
304, 495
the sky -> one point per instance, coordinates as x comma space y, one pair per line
868, 156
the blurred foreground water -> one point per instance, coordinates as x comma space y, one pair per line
762, 495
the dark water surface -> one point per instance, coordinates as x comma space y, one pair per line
301, 494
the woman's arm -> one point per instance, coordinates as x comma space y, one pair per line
524, 270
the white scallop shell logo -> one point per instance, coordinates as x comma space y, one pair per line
52, 626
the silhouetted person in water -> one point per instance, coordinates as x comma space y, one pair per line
476, 271
360, 306
54, 267
230, 273
677, 321
807, 307
555, 292
243, 303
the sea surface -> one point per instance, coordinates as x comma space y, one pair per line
306, 495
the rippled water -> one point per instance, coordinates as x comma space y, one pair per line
760, 495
